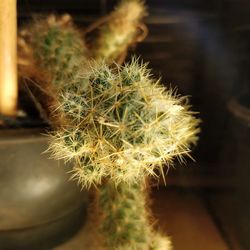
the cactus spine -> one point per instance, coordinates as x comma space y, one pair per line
126, 125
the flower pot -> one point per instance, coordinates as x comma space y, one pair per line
39, 206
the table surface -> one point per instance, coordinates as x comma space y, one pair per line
181, 214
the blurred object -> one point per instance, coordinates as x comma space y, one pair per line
117, 31
8, 65
39, 206
239, 146
29, 113
232, 208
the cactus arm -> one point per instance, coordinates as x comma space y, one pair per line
119, 30
58, 49
58, 53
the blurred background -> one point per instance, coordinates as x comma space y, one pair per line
202, 48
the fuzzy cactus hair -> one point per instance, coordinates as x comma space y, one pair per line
59, 49
54, 46
126, 125
52, 53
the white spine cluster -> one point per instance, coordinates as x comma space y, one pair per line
126, 125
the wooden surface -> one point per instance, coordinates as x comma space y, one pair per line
185, 218
181, 215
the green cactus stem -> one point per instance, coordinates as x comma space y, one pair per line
58, 53
119, 30
125, 219
58, 49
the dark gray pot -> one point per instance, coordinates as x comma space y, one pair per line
39, 206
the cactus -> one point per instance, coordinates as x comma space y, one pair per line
119, 31
121, 125
58, 49
126, 125
117, 124
55, 54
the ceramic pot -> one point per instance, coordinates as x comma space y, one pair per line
39, 206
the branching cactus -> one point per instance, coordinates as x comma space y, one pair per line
119, 30
117, 125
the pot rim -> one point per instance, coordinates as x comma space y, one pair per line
22, 135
